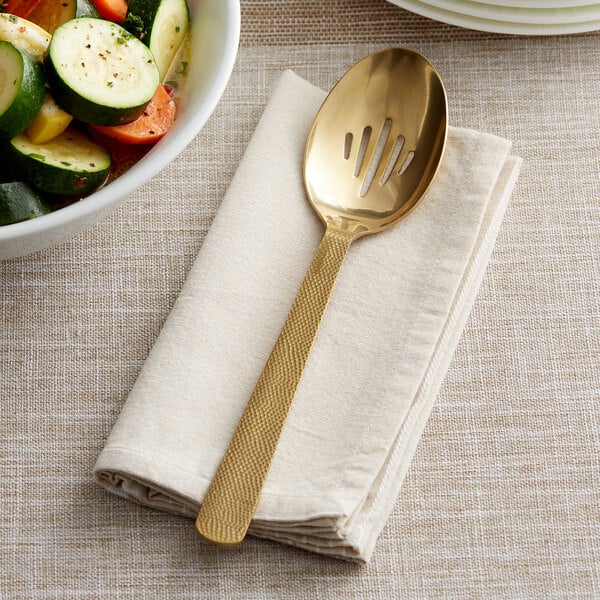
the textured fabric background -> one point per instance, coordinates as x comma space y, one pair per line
502, 500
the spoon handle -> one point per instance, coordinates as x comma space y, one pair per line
233, 495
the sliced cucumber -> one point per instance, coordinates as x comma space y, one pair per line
99, 72
18, 202
22, 89
162, 25
24, 34
71, 164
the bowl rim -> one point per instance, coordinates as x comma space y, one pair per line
153, 162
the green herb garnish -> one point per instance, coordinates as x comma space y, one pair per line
184, 69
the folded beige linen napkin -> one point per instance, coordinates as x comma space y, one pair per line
392, 324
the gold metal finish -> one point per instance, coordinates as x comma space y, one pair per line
372, 152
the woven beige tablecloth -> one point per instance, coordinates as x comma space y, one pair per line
502, 499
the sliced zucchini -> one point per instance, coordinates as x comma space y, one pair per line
162, 25
71, 164
99, 72
22, 89
24, 34
51, 14
50, 122
18, 202
86, 8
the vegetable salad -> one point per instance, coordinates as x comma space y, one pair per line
86, 90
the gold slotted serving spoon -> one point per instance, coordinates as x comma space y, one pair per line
372, 152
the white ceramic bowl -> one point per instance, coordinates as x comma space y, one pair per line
215, 35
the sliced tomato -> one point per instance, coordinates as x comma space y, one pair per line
20, 8
112, 10
155, 121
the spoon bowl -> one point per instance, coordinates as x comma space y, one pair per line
376, 143
372, 152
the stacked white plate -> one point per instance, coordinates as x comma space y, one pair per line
525, 17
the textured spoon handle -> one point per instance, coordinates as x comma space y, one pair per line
233, 495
